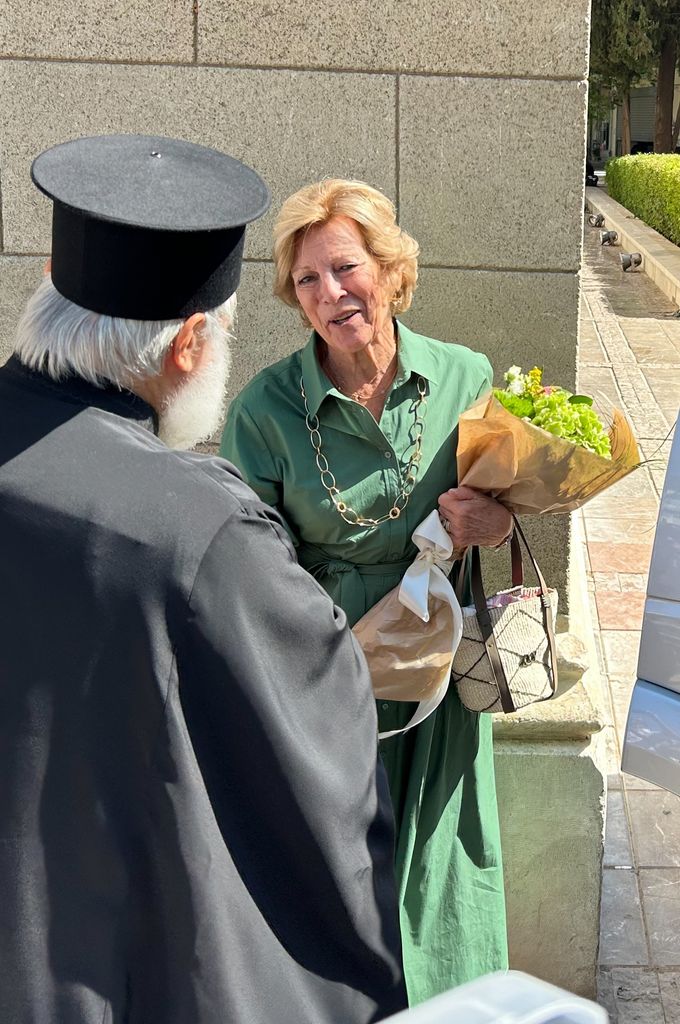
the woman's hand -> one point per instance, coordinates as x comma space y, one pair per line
472, 517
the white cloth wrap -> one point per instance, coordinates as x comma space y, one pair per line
428, 574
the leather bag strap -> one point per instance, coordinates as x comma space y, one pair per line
486, 627
484, 617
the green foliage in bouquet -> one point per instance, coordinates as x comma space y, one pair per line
554, 409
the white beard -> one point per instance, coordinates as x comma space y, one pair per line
195, 410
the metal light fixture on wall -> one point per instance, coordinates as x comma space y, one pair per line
630, 260
596, 220
608, 237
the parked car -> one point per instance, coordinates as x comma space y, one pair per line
651, 748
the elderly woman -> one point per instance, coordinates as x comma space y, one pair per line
353, 439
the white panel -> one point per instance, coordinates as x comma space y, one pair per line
651, 746
664, 572
659, 660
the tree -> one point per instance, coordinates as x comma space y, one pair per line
622, 51
664, 28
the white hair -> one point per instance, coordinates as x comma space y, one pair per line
61, 339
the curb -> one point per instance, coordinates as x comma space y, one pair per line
661, 258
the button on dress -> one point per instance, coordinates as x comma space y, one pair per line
441, 775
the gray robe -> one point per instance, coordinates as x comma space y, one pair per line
193, 829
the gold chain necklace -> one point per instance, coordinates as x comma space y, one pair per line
408, 477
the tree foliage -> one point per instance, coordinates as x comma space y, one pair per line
622, 45
634, 42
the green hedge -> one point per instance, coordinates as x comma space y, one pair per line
649, 186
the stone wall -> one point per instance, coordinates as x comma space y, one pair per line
470, 115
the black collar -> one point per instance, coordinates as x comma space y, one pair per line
78, 391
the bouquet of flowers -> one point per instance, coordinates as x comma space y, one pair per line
536, 448
541, 449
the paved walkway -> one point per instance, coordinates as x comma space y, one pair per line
630, 351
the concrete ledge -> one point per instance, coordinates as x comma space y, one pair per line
661, 258
551, 800
551, 781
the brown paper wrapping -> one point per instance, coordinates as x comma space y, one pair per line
529, 470
409, 659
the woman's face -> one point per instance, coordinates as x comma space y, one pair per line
342, 290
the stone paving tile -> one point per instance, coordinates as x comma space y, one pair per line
665, 384
659, 479
618, 850
596, 380
606, 580
621, 652
629, 528
660, 889
671, 326
631, 782
673, 337
669, 987
612, 505
660, 350
630, 351
642, 329
655, 825
655, 447
631, 996
618, 610
636, 581
587, 332
622, 933
619, 556
621, 691
592, 353
605, 994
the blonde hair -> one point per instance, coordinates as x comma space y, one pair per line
374, 215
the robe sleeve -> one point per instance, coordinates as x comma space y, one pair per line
278, 705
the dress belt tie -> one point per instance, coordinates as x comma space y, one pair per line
319, 563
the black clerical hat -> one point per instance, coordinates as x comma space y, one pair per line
144, 227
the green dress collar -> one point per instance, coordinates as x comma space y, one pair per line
414, 357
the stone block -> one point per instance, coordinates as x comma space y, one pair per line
655, 823
632, 996
550, 799
435, 35
669, 984
19, 277
617, 848
524, 318
267, 330
111, 30
276, 121
661, 898
622, 939
486, 181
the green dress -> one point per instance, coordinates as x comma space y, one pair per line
441, 774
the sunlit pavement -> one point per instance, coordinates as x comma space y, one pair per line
630, 352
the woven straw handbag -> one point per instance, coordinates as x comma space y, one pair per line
507, 656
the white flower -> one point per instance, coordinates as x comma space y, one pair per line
516, 387
513, 373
